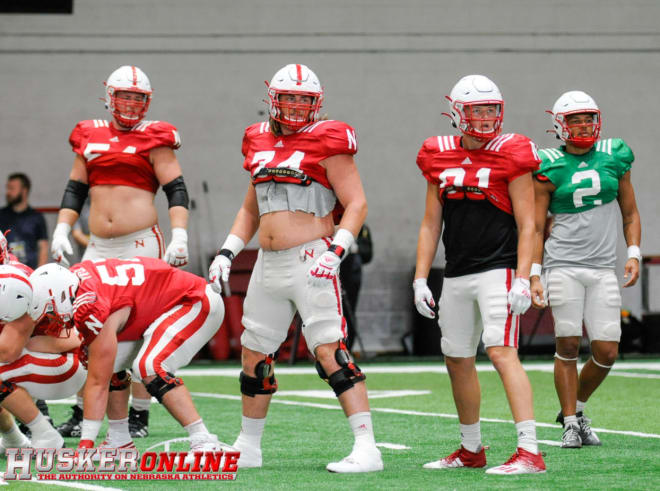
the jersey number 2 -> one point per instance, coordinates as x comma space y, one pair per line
593, 190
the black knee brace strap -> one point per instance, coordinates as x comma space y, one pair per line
347, 376
120, 381
160, 386
263, 383
6, 388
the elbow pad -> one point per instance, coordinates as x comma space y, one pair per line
176, 192
75, 195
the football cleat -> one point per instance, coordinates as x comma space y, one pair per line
250, 455
587, 435
366, 459
202, 442
109, 444
72, 426
21, 441
49, 439
571, 437
138, 423
460, 458
521, 462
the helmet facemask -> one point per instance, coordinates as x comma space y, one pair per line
567, 129
58, 314
465, 115
294, 115
54, 291
128, 107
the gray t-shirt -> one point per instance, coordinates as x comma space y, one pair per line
280, 196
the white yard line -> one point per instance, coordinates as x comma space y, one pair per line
414, 413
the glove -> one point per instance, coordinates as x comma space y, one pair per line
423, 298
325, 268
60, 244
519, 296
219, 270
176, 253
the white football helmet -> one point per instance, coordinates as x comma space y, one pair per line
475, 90
575, 102
15, 293
128, 79
53, 292
294, 79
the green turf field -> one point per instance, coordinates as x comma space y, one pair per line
304, 432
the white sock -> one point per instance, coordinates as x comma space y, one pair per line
363, 429
90, 429
39, 425
570, 420
526, 431
196, 427
471, 436
79, 401
118, 434
579, 407
141, 404
12, 437
251, 431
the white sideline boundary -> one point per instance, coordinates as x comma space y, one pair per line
413, 413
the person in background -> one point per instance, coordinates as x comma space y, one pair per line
27, 234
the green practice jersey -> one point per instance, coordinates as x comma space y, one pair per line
585, 181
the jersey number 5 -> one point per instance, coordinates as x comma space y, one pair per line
121, 278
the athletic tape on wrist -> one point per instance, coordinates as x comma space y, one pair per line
634, 253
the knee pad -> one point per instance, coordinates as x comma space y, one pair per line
120, 381
264, 382
6, 388
347, 376
160, 385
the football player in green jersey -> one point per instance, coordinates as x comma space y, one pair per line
583, 184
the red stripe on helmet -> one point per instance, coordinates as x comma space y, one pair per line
16, 277
298, 75
135, 77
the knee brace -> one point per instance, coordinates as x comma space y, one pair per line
347, 376
264, 382
120, 381
160, 385
6, 388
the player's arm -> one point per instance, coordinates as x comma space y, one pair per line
101, 358
245, 226
50, 344
14, 337
345, 180
521, 191
427, 246
169, 175
542, 195
632, 228
74, 197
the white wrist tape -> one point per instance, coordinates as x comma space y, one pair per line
63, 229
634, 252
344, 239
234, 243
179, 233
535, 270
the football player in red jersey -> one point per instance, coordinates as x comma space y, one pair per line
121, 163
480, 188
302, 168
138, 313
33, 363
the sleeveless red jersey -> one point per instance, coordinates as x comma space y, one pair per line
149, 286
115, 157
479, 174
295, 158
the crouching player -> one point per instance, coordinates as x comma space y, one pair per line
139, 313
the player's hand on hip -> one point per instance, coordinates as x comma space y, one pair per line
423, 298
520, 297
60, 244
325, 269
176, 253
536, 290
219, 272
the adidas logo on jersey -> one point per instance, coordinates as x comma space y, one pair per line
279, 144
583, 165
114, 139
466, 161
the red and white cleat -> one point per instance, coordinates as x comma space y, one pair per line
460, 458
521, 462
108, 445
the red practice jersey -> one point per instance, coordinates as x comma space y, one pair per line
295, 158
477, 174
115, 157
149, 286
